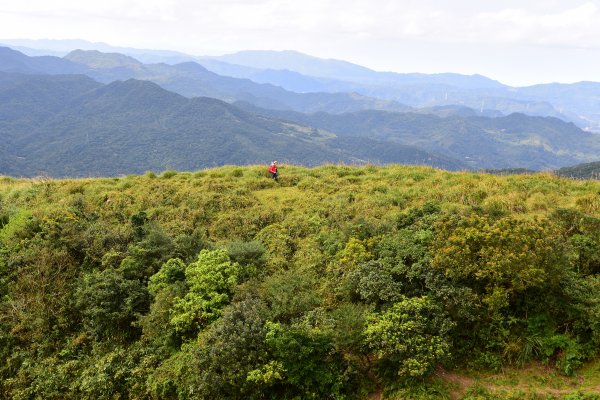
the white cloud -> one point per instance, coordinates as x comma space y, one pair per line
107, 9
273, 22
390, 34
576, 27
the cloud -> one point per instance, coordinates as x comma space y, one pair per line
275, 22
575, 27
401, 35
106, 9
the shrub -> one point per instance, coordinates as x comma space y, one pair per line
412, 336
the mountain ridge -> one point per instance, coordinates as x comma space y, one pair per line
415, 90
514, 141
132, 126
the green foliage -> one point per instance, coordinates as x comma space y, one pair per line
110, 303
499, 259
170, 273
334, 282
168, 174
211, 280
583, 231
250, 255
236, 341
307, 365
567, 352
582, 396
412, 336
375, 282
290, 294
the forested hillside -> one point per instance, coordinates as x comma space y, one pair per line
581, 171
333, 283
68, 125
188, 79
71, 125
334, 85
513, 141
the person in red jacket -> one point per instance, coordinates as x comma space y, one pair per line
273, 170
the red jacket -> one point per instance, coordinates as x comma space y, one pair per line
273, 169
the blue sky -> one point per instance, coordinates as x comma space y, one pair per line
515, 42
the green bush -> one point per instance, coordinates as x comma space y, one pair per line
334, 282
412, 335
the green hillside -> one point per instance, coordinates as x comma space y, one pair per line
513, 141
73, 126
334, 283
193, 80
581, 171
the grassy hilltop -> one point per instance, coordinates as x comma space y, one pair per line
335, 282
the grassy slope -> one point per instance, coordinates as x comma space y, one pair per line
342, 195
383, 191
581, 171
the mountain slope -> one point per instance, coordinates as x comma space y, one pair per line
134, 126
298, 72
581, 171
14, 61
577, 102
515, 141
189, 79
192, 80
27, 101
345, 71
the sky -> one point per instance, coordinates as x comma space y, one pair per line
516, 42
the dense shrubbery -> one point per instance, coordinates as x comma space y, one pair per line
334, 281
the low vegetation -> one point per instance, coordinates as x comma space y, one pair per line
335, 282
581, 171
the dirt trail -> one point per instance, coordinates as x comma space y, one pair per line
376, 395
460, 384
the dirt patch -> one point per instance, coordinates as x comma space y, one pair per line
375, 395
458, 384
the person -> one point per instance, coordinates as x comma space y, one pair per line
273, 170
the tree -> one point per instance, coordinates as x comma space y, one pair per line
412, 336
110, 303
499, 259
211, 280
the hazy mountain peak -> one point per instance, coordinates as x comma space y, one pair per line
13, 61
5, 51
295, 61
141, 89
190, 67
345, 71
97, 59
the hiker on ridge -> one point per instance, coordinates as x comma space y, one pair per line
273, 170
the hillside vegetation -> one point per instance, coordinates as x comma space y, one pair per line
70, 125
74, 126
513, 141
333, 283
581, 171
188, 79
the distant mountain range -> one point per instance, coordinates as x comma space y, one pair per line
516, 140
60, 48
74, 126
579, 102
91, 113
297, 72
581, 171
190, 80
